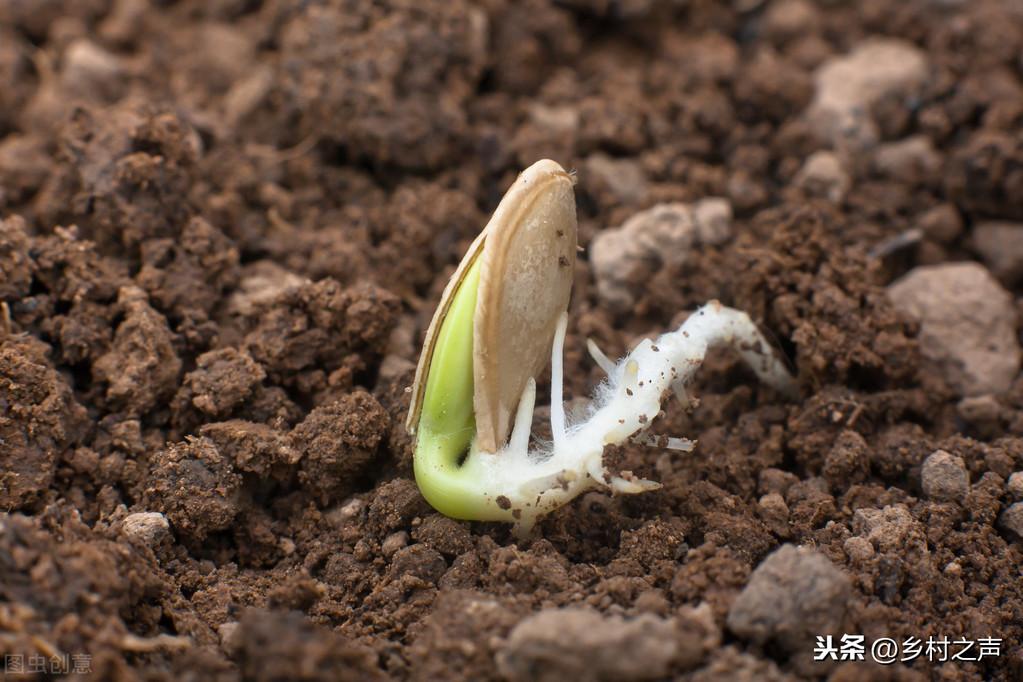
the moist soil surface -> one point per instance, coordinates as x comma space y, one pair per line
226, 226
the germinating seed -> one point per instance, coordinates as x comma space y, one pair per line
520, 310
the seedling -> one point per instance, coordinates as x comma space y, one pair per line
475, 387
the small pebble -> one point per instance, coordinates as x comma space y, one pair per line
621, 179
858, 549
967, 325
795, 594
230, 638
148, 527
1012, 521
625, 257
942, 223
848, 86
1000, 245
944, 477
890, 530
1015, 486
350, 509
393, 542
822, 175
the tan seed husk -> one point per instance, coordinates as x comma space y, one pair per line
526, 273
528, 249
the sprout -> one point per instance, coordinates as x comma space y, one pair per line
475, 388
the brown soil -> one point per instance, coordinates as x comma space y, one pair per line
226, 225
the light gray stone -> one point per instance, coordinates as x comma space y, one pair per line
967, 324
1015, 486
393, 542
148, 527
625, 257
891, 530
943, 477
911, 160
795, 594
822, 175
848, 86
1000, 245
624, 179
1012, 521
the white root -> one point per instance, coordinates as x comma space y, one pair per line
599, 357
539, 481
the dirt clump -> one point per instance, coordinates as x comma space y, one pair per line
538, 643
40, 419
195, 487
141, 367
337, 442
221, 381
265, 643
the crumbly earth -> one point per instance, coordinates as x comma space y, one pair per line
224, 229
